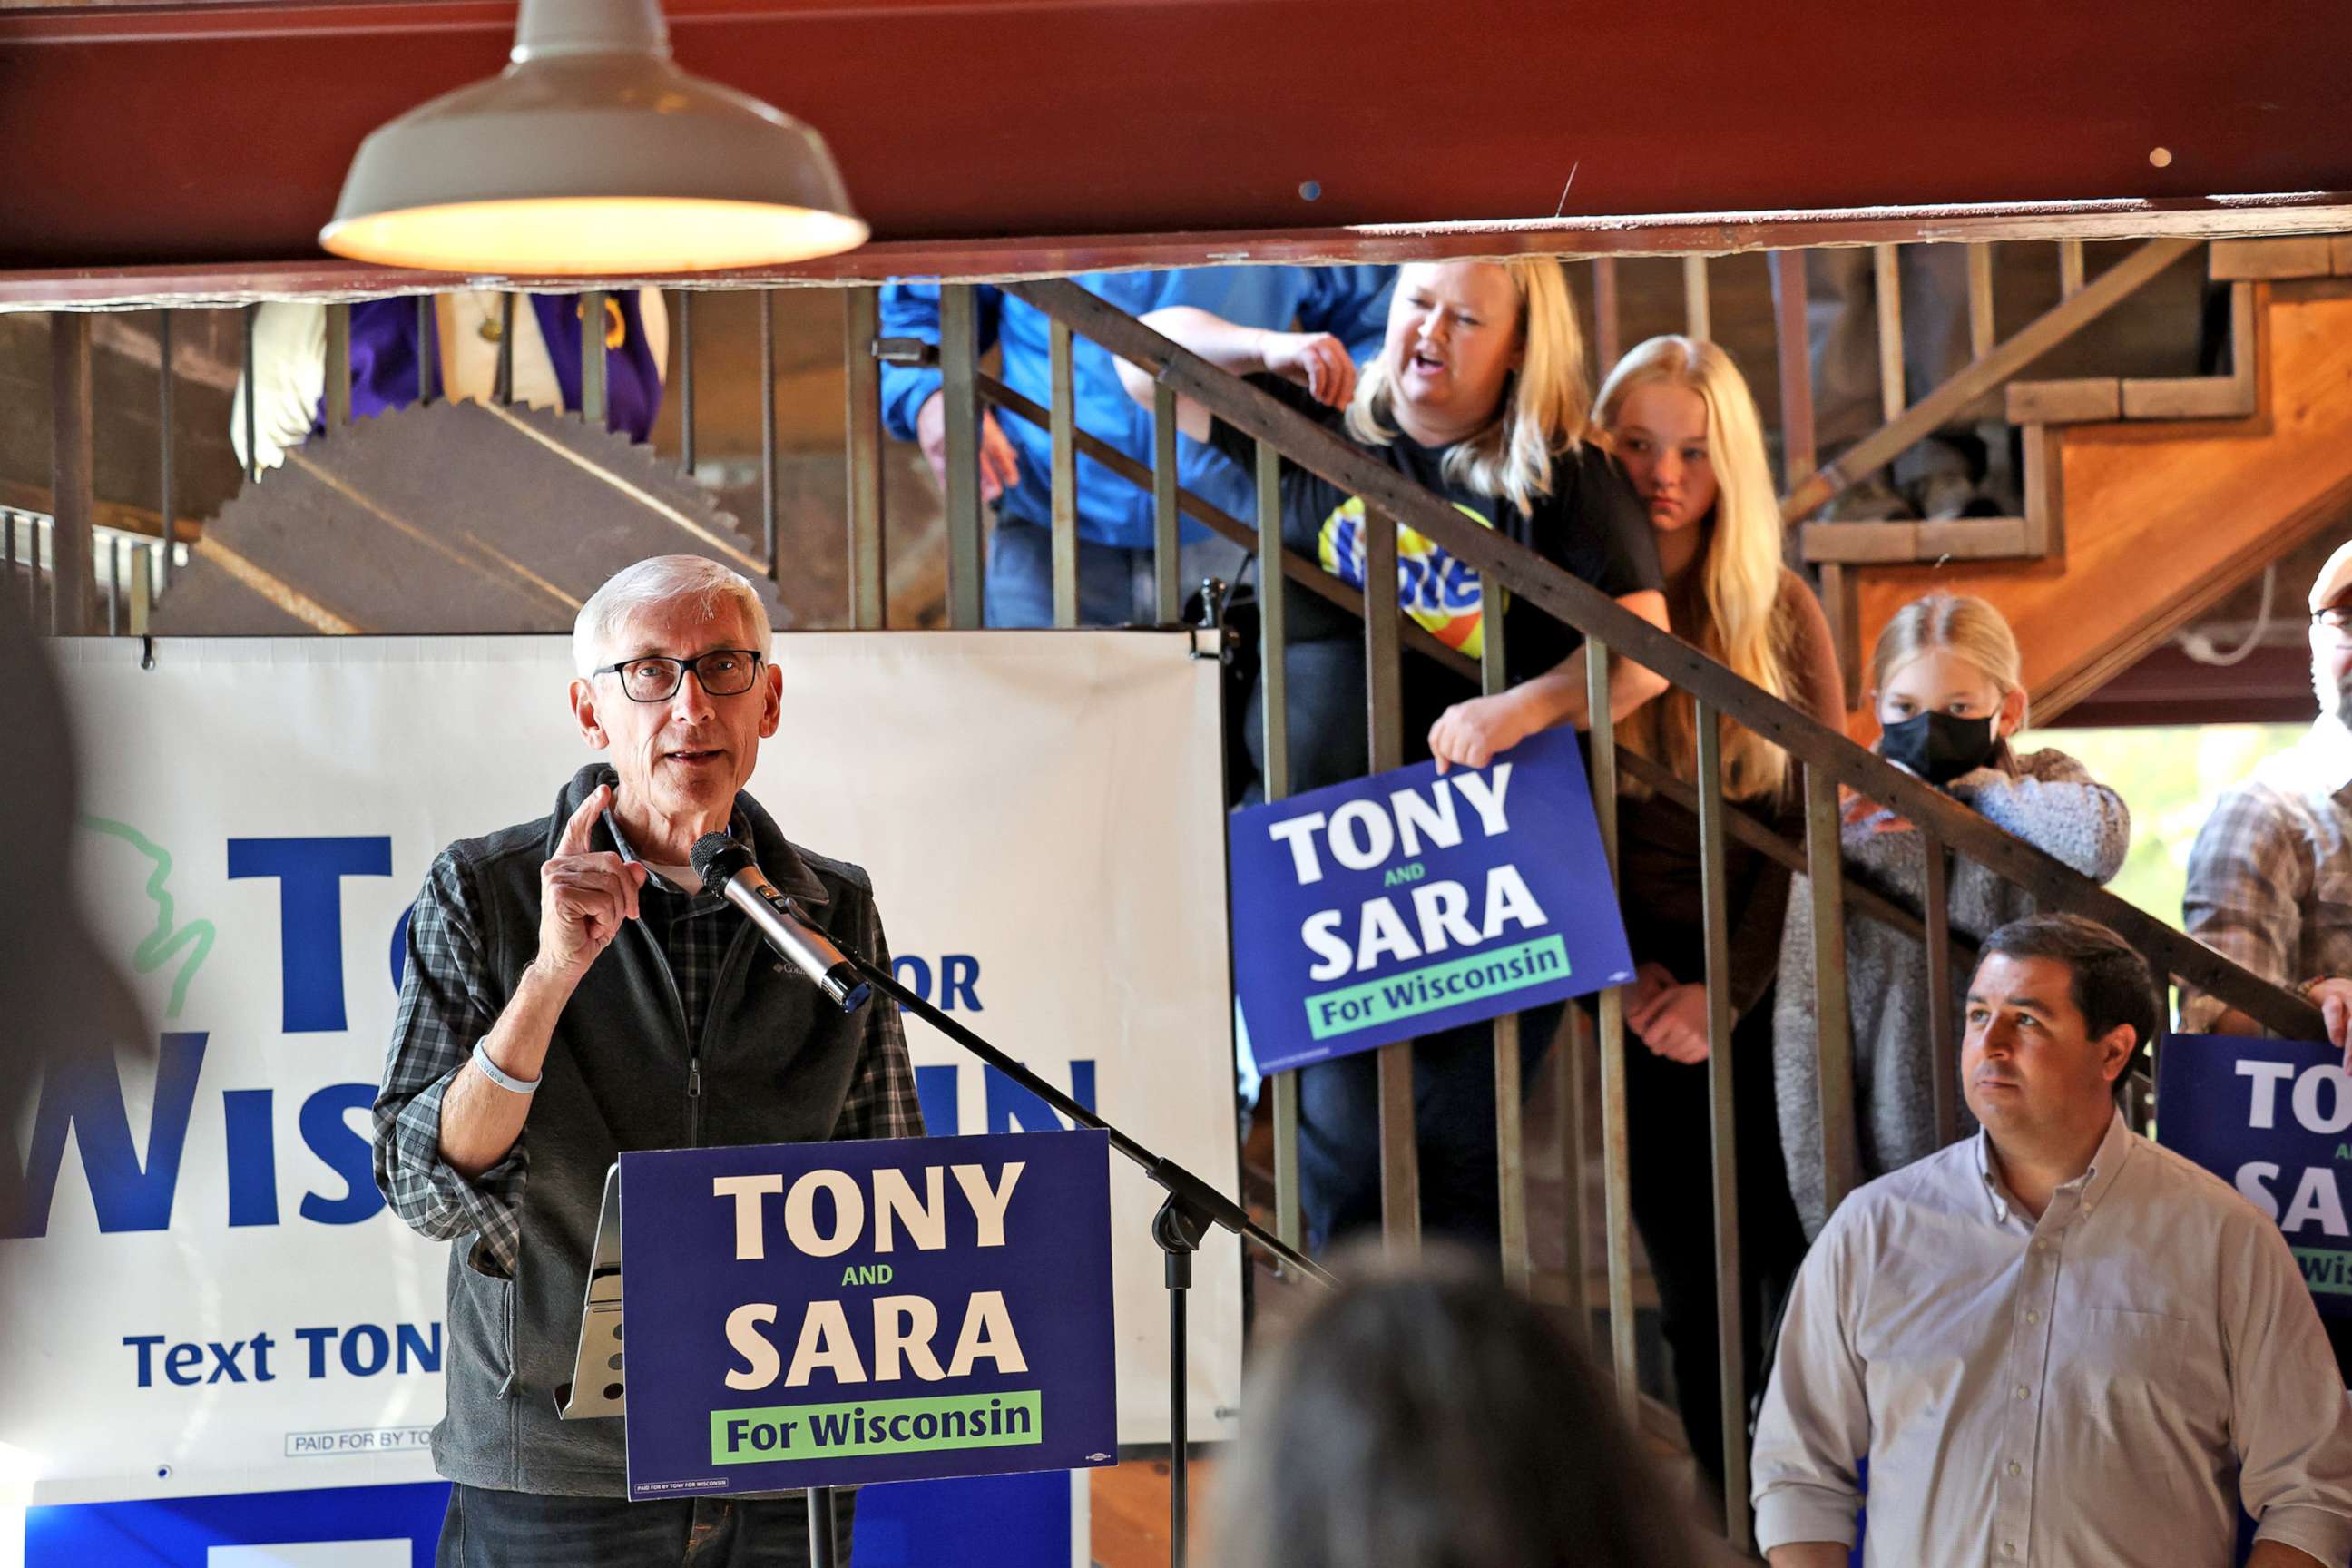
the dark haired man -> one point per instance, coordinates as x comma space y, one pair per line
2055, 1343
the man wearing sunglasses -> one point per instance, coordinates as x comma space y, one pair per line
572, 990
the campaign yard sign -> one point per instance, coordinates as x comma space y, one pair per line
815, 1314
1409, 901
2272, 1118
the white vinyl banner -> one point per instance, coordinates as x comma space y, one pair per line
203, 1290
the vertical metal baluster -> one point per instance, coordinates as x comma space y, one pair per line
1833, 1009
1575, 1048
1164, 540
1274, 697
167, 499
73, 585
768, 429
1722, 1106
595, 402
1943, 1049
428, 346
338, 367
958, 363
2070, 268
33, 523
252, 424
1893, 398
1698, 314
1383, 694
110, 588
1510, 1119
142, 588
1982, 326
1062, 370
862, 373
1616, 1174
503, 378
686, 375
1606, 339
1799, 449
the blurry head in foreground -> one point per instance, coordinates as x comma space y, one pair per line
1436, 1419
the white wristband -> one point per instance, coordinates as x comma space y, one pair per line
499, 1076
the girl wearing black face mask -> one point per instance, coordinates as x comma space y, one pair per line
1946, 687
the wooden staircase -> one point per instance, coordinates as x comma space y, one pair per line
2148, 501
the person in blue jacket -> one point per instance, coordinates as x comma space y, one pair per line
1115, 517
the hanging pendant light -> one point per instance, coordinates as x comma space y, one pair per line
592, 155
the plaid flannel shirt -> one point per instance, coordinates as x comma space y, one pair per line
2270, 878
451, 999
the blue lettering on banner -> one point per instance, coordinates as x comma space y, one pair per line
1008, 1106
959, 980
359, 1349
252, 1156
84, 1097
344, 1149
85, 1093
309, 873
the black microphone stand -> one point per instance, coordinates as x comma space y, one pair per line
1192, 1206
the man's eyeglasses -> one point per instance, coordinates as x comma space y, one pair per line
723, 672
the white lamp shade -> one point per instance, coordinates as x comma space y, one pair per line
587, 159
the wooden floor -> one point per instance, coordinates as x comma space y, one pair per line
1129, 1509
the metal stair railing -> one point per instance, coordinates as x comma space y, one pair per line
1827, 759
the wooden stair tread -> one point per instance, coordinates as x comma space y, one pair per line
2267, 260
1881, 544
2162, 518
2079, 400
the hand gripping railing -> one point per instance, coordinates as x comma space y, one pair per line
1828, 758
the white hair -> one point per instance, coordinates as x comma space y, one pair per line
663, 580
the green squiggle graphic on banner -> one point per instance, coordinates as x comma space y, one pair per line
164, 940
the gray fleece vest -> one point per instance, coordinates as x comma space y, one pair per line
773, 1065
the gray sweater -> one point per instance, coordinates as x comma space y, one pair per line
2051, 803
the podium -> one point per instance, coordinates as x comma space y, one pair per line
772, 1194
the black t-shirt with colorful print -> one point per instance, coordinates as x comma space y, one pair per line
1592, 525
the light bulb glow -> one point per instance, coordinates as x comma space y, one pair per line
593, 236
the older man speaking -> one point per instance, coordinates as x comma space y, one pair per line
572, 990
2055, 1343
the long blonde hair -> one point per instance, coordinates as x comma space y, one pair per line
1546, 404
1738, 623
1961, 624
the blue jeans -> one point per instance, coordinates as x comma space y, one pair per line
1115, 586
486, 1528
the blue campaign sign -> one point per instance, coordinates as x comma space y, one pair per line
2274, 1119
815, 1314
1408, 902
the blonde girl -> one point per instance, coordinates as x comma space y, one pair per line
1683, 422
1946, 687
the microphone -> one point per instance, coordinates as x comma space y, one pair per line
727, 868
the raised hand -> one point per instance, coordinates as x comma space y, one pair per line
1316, 361
585, 895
